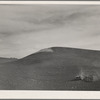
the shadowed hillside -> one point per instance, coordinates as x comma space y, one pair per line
55, 68
5, 60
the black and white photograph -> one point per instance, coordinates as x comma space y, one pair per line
50, 47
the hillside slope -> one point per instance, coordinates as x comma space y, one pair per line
5, 60
56, 68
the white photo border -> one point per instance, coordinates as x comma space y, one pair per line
53, 2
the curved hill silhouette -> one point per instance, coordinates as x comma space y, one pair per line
56, 68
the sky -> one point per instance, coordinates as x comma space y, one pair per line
26, 29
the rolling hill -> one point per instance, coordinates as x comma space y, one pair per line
5, 60
55, 68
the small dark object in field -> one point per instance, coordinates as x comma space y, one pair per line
77, 78
85, 79
88, 78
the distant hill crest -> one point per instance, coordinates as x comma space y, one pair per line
46, 50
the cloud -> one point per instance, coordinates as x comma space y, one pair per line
25, 29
